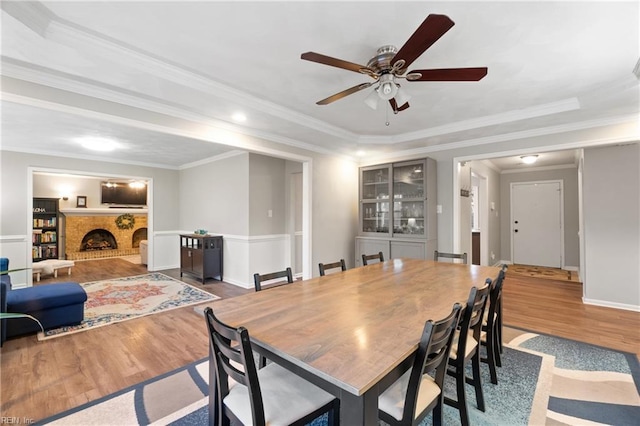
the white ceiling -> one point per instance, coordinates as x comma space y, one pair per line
164, 78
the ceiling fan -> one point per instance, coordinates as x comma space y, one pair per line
390, 64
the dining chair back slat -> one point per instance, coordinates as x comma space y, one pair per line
368, 257
324, 267
286, 277
437, 255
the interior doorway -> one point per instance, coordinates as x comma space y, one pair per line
479, 219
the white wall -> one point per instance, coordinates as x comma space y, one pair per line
335, 211
612, 226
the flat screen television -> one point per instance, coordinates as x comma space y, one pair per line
124, 193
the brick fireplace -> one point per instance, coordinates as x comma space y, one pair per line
95, 236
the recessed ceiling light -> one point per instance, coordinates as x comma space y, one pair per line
529, 159
239, 117
98, 144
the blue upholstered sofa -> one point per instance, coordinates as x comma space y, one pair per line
54, 305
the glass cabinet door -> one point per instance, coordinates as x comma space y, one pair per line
409, 198
375, 187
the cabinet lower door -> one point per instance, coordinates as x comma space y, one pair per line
197, 260
185, 260
407, 249
213, 268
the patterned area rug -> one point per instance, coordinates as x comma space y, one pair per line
543, 380
122, 299
544, 272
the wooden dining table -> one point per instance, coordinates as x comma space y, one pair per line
354, 332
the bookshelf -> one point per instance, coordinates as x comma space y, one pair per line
45, 229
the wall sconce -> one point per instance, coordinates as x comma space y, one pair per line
65, 192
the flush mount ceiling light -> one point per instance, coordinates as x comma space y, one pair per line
239, 117
98, 144
529, 159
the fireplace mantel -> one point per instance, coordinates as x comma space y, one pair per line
85, 211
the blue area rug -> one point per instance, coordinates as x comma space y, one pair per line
544, 379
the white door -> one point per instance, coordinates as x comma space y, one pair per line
536, 223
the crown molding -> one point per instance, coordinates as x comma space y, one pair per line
213, 159
87, 157
565, 105
542, 131
538, 169
20, 70
52, 27
32, 14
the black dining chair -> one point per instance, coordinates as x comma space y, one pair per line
258, 279
283, 277
419, 391
367, 257
465, 349
324, 267
437, 255
269, 396
490, 336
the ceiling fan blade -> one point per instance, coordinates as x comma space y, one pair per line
344, 93
450, 74
395, 108
431, 29
338, 63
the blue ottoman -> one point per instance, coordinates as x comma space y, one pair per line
54, 305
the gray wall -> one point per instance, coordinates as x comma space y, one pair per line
612, 224
215, 196
268, 187
493, 216
14, 178
569, 177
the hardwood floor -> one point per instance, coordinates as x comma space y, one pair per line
39, 379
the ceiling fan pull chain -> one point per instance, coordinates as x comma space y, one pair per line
386, 112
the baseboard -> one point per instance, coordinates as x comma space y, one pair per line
614, 305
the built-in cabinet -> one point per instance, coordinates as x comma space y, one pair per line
44, 237
398, 210
201, 256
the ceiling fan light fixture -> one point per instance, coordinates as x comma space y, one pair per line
529, 159
402, 97
372, 100
387, 88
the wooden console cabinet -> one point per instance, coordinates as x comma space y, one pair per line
201, 256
